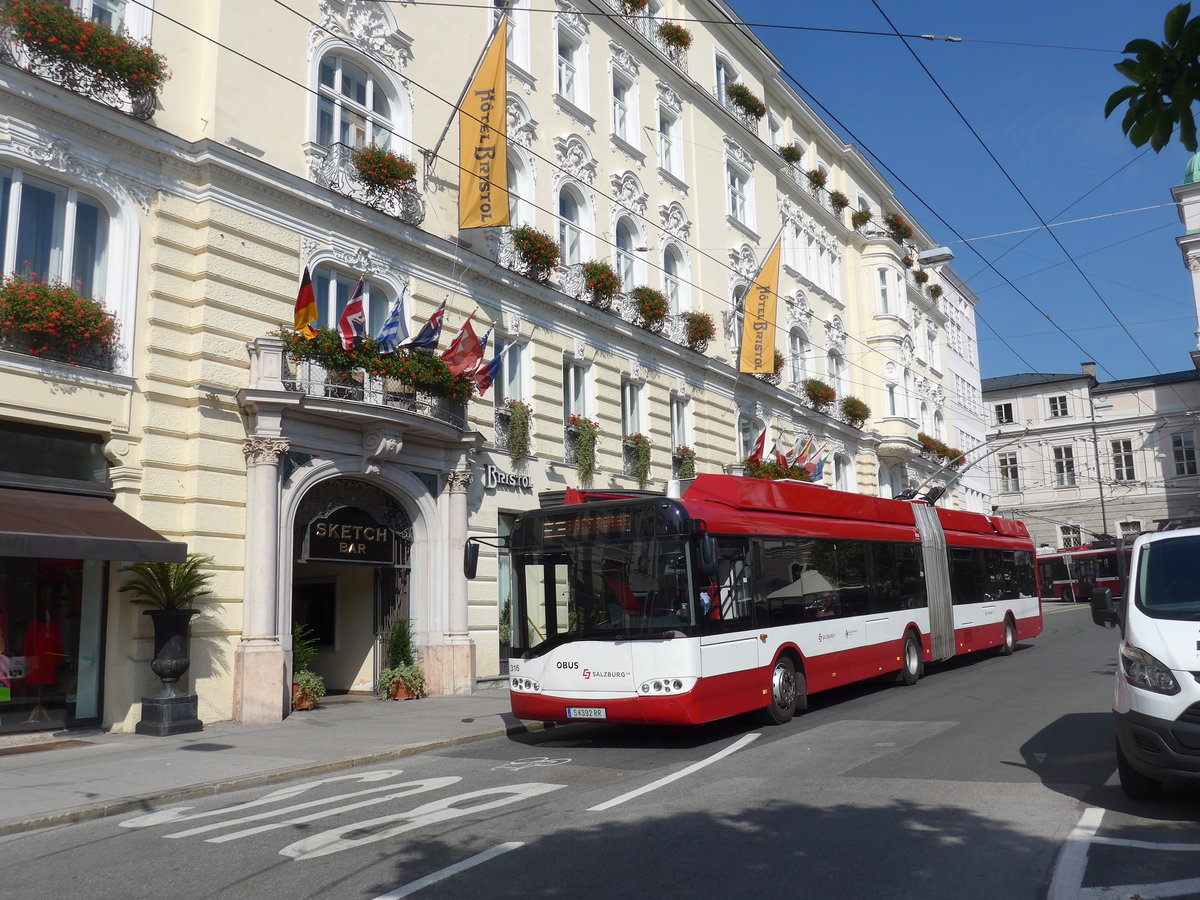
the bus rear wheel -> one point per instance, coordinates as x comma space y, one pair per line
911, 663
1010, 638
1068, 595
786, 686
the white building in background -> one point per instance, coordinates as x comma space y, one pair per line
1102, 458
193, 214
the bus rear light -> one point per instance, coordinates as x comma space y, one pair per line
667, 686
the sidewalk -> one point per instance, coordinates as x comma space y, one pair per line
98, 774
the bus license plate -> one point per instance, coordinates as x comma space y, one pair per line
586, 712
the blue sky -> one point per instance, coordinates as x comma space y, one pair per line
1041, 112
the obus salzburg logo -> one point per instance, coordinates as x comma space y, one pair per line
571, 665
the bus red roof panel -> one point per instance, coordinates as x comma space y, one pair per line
792, 497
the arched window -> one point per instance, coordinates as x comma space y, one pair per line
353, 106
570, 219
843, 472
836, 372
939, 426
626, 261
925, 426
333, 289
675, 284
797, 350
53, 232
520, 188
739, 313
748, 430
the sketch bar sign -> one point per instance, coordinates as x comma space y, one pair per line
482, 150
349, 534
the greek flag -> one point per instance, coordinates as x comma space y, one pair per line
395, 329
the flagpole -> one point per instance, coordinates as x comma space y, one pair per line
430, 156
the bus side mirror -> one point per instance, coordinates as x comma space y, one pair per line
470, 559
708, 556
1103, 612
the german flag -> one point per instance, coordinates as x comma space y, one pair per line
306, 307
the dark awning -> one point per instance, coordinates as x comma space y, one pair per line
69, 526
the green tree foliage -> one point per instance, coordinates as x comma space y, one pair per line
1166, 82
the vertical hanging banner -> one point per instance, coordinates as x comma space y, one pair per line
482, 147
758, 321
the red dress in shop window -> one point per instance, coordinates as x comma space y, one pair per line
43, 650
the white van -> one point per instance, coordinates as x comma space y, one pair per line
1156, 703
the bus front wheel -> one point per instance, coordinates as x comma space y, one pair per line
786, 688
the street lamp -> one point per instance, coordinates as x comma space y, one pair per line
1096, 450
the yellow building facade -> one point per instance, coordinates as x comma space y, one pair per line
198, 218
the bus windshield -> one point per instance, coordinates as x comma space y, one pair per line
1168, 583
603, 590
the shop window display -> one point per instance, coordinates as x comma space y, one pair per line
50, 627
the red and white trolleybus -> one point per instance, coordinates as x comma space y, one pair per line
1074, 573
745, 594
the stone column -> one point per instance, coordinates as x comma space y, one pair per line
261, 689
451, 667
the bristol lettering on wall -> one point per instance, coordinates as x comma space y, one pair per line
349, 534
493, 478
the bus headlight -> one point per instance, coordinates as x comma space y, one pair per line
1144, 671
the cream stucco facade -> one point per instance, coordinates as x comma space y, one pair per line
622, 147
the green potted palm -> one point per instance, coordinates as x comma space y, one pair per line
169, 590
401, 678
307, 686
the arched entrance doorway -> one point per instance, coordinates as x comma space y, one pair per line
350, 578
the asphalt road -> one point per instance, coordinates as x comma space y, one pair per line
989, 778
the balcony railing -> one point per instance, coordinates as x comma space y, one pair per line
336, 171
749, 121
647, 27
138, 102
313, 380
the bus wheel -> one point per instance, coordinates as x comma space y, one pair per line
1010, 638
783, 692
912, 667
1068, 595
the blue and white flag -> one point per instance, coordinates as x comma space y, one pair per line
395, 330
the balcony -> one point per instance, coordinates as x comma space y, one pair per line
333, 168
66, 29
355, 396
747, 120
647, 26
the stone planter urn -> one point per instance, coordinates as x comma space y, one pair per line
169, 711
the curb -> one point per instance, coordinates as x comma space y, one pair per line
141, 802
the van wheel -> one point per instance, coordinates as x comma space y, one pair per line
912, 666
1136, 785
1010, 638
786, 687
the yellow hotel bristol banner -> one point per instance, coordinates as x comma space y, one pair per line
482, 148
758, 323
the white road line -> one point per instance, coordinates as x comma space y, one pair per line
694, 767
1072, 862
420, 884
